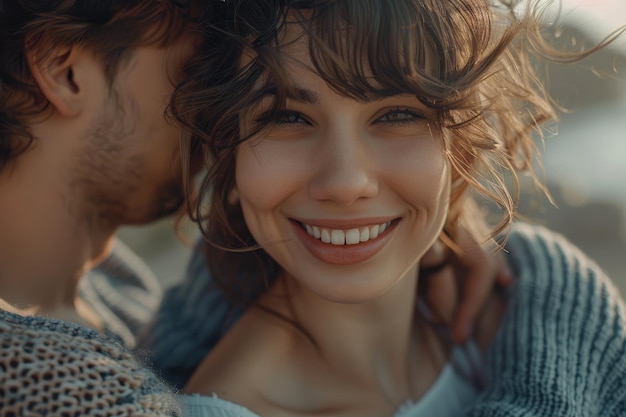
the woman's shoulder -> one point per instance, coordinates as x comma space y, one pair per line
267, 364
50, 364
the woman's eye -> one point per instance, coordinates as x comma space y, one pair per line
289, 117
401, 116
285, 117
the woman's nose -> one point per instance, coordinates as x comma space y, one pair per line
346, 170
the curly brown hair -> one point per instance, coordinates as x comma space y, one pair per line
109, 28
474, 62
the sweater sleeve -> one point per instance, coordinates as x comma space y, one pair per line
123, 291
192, 318
561, 348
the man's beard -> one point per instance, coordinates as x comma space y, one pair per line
108, 177
169, 200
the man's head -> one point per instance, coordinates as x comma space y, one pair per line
84, 86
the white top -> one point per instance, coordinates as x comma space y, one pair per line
447, 397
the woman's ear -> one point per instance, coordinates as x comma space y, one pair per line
55, 75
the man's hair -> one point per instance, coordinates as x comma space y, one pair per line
108, 28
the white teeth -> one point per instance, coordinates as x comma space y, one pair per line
337, 237
340, 237
353, 236
325, 236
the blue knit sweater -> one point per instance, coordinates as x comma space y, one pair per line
123, 292
560, 349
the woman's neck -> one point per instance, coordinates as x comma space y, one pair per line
374, 342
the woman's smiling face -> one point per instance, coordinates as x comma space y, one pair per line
345, 195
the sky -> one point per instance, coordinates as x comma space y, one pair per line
597, 17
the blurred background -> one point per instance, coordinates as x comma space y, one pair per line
584, 158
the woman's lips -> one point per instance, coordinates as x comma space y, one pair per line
344, 246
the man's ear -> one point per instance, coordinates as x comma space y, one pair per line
55, 75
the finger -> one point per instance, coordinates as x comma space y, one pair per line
476, 289
442, 294
480, 274
505, 275
435, 256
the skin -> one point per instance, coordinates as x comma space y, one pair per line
104, 156
342, 166
459, 293
131, 160
335, 163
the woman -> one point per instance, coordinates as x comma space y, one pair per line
347, 137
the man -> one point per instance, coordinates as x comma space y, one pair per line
84, 149
84, 145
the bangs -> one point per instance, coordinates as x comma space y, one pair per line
476, 63
447, 54
371, 48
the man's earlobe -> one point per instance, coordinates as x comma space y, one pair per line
54, 74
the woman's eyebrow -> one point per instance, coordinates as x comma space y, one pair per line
300, 95
306, 96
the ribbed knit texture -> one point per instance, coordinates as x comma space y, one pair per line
560, 349
123, 292
192, 318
